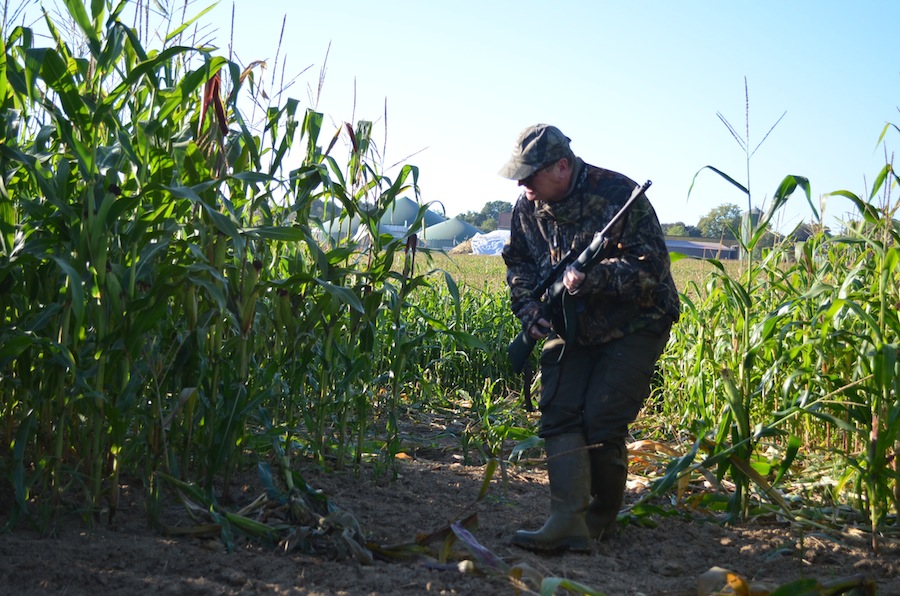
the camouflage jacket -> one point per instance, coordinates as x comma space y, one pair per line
630, 290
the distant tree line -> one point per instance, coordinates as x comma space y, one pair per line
722, 223
681, 229
317, 209
488, 219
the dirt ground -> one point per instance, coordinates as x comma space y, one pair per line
433, 489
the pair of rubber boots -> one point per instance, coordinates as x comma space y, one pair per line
587, 487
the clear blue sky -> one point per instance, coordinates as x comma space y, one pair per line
636, 85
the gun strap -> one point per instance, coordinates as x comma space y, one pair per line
570, 317
527, 379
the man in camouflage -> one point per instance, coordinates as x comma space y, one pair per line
596, 371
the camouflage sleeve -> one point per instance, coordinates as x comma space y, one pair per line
639, 263
523, 269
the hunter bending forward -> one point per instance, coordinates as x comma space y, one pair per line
599, 358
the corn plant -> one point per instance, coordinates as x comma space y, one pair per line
734, 346
862, 315
170, 303
806, 335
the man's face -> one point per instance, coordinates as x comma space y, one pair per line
547, 184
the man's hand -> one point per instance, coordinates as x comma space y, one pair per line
572, 279
540, 329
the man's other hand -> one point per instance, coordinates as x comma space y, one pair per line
540, 329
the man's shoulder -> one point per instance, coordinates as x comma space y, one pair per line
609, 185
607, 178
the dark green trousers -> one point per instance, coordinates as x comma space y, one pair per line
597, 390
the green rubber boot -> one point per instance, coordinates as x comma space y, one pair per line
568, 466
609, 471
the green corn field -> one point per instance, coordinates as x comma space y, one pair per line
174, 308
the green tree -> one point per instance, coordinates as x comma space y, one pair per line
681, 229
493, 209
317, 209
488, 218
805, 231
676, 229
721, 222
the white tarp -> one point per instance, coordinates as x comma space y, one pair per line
491, 243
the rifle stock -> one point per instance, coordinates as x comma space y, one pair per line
519, 350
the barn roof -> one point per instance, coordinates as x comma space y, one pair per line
404, 211
453, 229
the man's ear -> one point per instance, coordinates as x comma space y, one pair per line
564, 166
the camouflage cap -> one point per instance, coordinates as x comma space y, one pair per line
536, 147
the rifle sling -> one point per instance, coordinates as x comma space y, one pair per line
527, 379
569, 317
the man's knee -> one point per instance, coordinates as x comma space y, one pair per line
559, 421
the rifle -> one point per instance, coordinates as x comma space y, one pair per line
520, 348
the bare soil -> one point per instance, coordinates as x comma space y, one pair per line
433, 488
